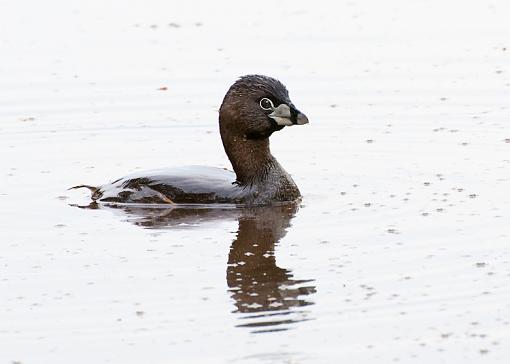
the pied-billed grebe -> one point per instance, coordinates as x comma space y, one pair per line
254, 107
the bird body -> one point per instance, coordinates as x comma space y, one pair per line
254, 107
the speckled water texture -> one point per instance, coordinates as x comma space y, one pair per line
399, 251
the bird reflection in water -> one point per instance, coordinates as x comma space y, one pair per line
263, 292
267, 297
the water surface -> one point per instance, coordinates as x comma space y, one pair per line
399, 250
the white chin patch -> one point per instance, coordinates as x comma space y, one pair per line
282, 121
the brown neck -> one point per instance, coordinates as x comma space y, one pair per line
250, 158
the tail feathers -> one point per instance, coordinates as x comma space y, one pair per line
96, 193
91, 188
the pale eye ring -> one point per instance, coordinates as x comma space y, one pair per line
266, 104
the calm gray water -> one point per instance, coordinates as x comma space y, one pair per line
399, 251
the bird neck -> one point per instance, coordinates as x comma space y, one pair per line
251, 158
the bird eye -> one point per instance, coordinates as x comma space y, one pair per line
266, 104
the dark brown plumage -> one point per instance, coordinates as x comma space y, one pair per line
254, 107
